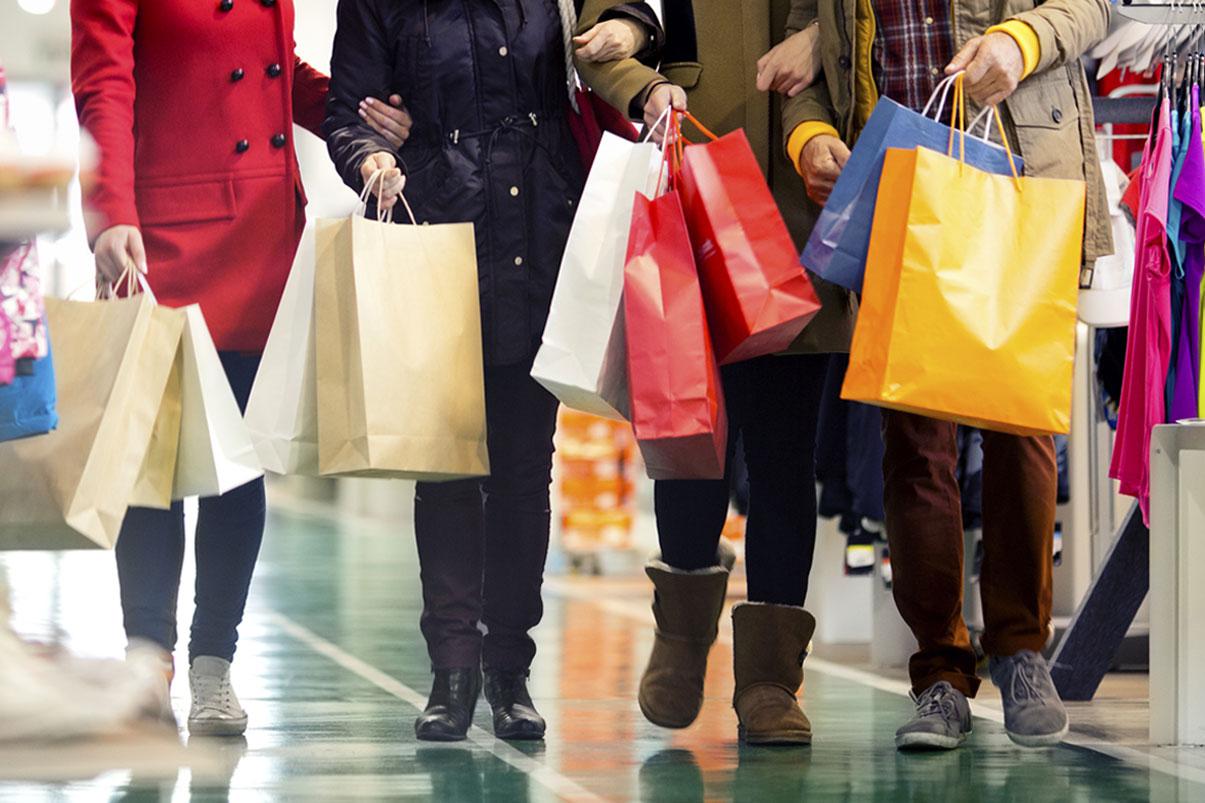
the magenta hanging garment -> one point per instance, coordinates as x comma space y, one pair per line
1148, 353
1190, 192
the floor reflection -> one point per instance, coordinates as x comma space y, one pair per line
320, 731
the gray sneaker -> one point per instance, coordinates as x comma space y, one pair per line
215, 708
1034, 715
942, 721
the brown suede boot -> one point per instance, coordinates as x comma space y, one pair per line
768, 648
687, 607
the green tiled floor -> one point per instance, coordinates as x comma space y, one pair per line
330, 663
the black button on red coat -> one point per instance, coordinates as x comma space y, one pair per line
237, 75
274, 70
242, 146
279, 141
226, 5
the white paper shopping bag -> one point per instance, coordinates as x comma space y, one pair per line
216, 454
582, 359
282, 411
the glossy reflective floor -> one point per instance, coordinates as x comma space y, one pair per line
331, 669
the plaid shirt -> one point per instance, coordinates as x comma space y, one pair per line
913, 45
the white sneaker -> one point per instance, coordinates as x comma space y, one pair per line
215, 708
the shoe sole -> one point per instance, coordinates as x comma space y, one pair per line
1040, 740
781, 738
928, 742
521, 737
233, 727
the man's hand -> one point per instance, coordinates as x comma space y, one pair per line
792, 65
118, 249
821, 163
661, 98
612, 40
994, 65
388, 187
392, 122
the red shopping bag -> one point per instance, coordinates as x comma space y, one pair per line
758, 296
677, 401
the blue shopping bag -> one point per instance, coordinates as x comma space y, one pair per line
836, 250
27, 406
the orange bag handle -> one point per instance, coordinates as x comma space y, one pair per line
958, 123
707, 132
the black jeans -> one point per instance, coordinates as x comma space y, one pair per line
482, 544
230, 528
773, 405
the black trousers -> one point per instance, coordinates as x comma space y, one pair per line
482, 544
773, 406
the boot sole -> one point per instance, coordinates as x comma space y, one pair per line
441, 737
664, 723
1041, 740
783, 738
233, 727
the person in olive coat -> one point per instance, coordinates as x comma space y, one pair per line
487, 87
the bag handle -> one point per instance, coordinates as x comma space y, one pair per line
132, 280
383, 215
960, 111
942, 88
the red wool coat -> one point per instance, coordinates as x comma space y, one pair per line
192, 104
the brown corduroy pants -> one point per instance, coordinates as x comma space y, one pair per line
924, 530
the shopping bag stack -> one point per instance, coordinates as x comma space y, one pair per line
373, 366
838, 247
677, 401
147, 418
968, 305
582, 357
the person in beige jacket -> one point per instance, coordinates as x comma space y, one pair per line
720, 58
1024, 56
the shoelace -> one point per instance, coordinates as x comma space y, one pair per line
1028, 681
937, 701
207, 691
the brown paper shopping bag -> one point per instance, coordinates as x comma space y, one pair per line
70, 488
401, 386
157, 476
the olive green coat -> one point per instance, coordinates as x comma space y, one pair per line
722, 92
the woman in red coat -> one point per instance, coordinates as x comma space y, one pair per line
192, 103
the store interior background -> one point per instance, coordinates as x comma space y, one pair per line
71, 598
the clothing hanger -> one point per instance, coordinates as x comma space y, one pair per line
1177, 12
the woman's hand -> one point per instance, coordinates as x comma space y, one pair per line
391, 121
118, 249
388, 186
660, 98
792, 65
613, 40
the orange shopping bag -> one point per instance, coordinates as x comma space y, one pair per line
968, 308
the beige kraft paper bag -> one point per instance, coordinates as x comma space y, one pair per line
70, 488
158, 474
401, 384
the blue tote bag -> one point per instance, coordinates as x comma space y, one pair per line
836, 250
27, 405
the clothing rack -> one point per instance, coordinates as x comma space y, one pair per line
1182, 13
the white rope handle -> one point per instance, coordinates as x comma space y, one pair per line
568, 29
943, 89
383, 215
663, 118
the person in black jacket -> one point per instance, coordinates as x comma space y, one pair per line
487, 87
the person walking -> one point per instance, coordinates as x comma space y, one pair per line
1026, 60
733, 64
198, 188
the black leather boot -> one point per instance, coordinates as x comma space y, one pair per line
450, 708
515, 716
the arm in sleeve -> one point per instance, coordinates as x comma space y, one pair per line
1064, 29
310, 90
642, 14
361, 67
810, 113
620, 83
102, 80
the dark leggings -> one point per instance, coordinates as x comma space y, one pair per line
150, 555
773, 405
